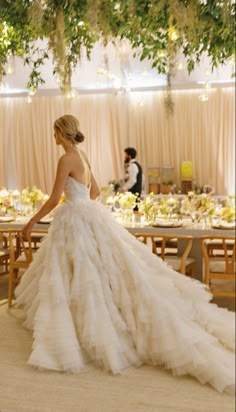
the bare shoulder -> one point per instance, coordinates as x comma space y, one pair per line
64, 158
65, 161
83, 153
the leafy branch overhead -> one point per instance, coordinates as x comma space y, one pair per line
156, 29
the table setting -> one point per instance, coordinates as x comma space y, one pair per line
192, 214
187, 212
191, 211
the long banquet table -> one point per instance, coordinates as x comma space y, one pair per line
134, 228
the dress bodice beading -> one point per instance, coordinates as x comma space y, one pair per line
75, 191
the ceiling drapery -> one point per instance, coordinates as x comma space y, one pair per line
156, 29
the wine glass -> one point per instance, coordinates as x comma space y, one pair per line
196, 216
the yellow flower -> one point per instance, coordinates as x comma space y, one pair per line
126, 200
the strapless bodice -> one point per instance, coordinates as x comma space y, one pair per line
75, 191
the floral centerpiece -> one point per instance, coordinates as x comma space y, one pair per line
107, 194
13, 201
6, 202
125, 203
126, 200
227, 211
115, 185
31, 197
198, 206
169, 206
153, 207
4, 194
149, 207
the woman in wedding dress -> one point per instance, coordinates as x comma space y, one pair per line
95, 294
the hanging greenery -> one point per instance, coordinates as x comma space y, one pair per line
156, 29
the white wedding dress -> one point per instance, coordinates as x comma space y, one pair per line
95, 294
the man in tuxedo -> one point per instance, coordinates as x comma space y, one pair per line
133, 172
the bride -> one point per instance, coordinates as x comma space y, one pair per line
95, 294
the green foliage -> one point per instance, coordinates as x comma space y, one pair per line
157, 30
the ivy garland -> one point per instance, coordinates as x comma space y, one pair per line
156, 29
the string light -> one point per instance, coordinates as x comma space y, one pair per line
32, 91
71, 94
117, 83
203, 97
180, 66
117, 6
172, 33
10, 64
144, 73
10, 69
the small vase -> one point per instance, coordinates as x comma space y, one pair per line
127, 215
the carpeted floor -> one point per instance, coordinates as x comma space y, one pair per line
147, 389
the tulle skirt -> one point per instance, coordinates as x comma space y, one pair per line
95, 294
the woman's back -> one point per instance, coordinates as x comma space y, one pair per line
80, 167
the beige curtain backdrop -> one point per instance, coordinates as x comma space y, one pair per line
203, 133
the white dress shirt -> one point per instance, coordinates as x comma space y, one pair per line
132, 178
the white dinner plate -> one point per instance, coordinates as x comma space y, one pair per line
223, 226
167, 224
4, 219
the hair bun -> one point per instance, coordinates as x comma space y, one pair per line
79, 137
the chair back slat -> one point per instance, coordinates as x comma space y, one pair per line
219, 266
163, 240
21, 255
4, 252
229, 255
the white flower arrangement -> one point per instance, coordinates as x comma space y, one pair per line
126, 200
227, 213
30, 197
203, 203
3, 194
6, 201
106, 193
152, 206
149, 207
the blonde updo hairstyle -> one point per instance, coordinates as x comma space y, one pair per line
68, 125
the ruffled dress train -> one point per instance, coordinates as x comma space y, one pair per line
95, 294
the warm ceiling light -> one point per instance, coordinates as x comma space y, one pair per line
203, 97
172, 33
180, 66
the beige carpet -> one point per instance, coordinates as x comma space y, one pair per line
147, 389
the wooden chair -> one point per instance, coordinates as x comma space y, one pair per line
171, 246
219, 268
182, 264
4, 252
21, 255
215, 247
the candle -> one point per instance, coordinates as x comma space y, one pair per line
4, 193
171, 201
109, 200
15, 193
